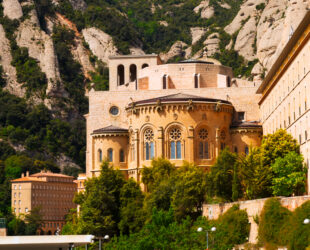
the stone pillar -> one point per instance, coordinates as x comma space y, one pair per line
217, 142
137, 155
160, 146
190, 147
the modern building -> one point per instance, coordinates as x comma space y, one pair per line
52, 193
188, 111
286, 90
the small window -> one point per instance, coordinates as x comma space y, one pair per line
110, 155
114, 110
100, 155
20, 187
196, 79
246, 150
228, 81
241, 116
236, 149
306, 135
145, 65
26, 210
121, 156
165, 82
120, 75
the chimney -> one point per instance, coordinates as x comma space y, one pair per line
27, 173
23, 175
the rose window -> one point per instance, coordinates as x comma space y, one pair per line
149, 135
175, 134
203, 134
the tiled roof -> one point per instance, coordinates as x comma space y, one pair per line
23, 179
179, 97
50, 174
110, 129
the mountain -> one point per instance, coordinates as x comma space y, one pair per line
54, 51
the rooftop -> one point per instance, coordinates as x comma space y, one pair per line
246, 124
179, 97
110, 129
132, 56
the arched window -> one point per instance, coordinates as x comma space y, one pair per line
223, 138
203, 144
120, 75
149, 145
175, 137
165, 82
121, 156
100, 155
228, 81
133, 72
196, 81
110, 155
145, 65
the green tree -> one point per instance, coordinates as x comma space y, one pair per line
131, 211
289, 175
271, 221
100, 203
190, 190
254, 177
33, 221
277, 145
17, 164
220, 179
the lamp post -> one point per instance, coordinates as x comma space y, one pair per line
213, 229
306, 221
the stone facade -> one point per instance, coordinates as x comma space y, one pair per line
149, 103
52, 193
286, 91
253, 208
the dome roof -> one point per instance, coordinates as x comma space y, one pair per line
179, 98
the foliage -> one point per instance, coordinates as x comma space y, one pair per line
232, 228
190, 189
290, 175
280, 227
70, 70
132, 216
277, 145
100, 203
220, 178
254, 177
271, 222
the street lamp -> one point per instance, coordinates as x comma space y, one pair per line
213, 229
306, 221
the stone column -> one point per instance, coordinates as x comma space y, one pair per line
160, 138
217, 142
190, 147
137, 155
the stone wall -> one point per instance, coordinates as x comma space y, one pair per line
253, 208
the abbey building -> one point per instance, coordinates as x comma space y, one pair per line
189, 110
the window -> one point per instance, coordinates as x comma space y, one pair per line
306, 135
246, 150
14, 186
228, 82
203, 144
299, 139
19, 195
120, 75
223, 138
241, 116
114, 110
19, 202
133, 72
236, 149
149, 147
26, 210
14, 195
20, 187
165, 82
14, 202
100, 155
110, 155
145, 65
175, 136
196, 80
121, 156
